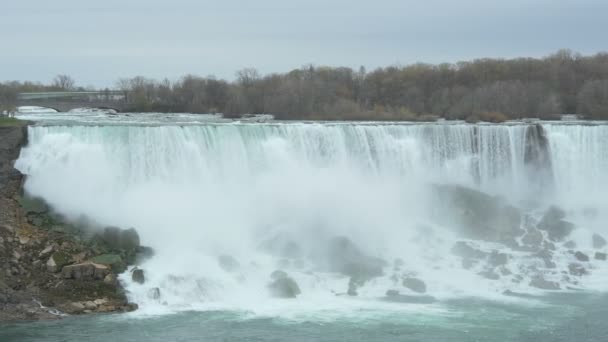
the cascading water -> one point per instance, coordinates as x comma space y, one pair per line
271, 195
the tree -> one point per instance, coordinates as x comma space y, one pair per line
63, 82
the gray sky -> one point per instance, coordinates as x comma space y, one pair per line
98, 42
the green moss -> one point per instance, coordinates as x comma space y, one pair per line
113, 260
4, 121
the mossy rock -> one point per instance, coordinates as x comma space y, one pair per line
33, 205
115, 261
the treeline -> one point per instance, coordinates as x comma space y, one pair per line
488, 89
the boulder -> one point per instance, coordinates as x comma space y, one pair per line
409, 299
85, 271
142, 254
577, 269
33, 205
137, 276
353, 285
414, 284
121, 239
278, 274
46, 251
554, 224
498, 259
489, 274
600, 256
392, 293
345, 257
533, 237
580, 256
464, 250
75, 308
154, 293
284, 287
89, 305
570, 244
542, 283
547, 258
598, 241
56, 262
113, 260
228, 263
477, 214
110, 279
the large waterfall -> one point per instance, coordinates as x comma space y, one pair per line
198, 192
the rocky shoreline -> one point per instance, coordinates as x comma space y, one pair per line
49, 267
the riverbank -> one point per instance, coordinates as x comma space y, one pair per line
49, 267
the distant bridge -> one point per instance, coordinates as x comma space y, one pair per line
64, 101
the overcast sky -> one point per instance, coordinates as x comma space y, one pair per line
100, 41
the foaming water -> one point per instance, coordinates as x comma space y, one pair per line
197, 192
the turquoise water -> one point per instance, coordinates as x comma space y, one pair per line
564, 317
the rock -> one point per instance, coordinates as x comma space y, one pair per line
75, 308
477, 214
353, 285
110, 279
33, 205
489, 274
130, 307
464, 250
113, 260
577, 269
90, 305
100, 301
498, 259
278, 274
345, 257
600, 256
228, 263
414, 284
547, 257
121, 239
154, 293
392, 293
552, 222
85, 271
46, 252
542, 283
57, 261
598, 241
137, 276
580, 256
533, 237
284, 288
142, 254
570, 244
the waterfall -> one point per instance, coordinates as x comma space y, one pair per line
196, 192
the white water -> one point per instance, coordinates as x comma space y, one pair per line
199, 191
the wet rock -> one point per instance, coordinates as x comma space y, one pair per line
542, 283
278, 274
533, 237
346, 258
570, 244
479, 215
392, 293
353, 285
138, 276
600, 256
464, 250
112, 260
598, 241
489, 274
498, 259
120, 239
56, 262
142, 254
580, 256
577, 269
33, 205
85, 271
75, 308
547, 258
284, 288
154, 293
414, 284
228, 263
110, 279
554, 224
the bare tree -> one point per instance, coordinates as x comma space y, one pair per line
64, 82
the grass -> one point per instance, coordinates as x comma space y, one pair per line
6, 121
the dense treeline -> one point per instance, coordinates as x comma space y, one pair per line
490, 89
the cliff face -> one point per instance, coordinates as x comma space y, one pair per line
47, 268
